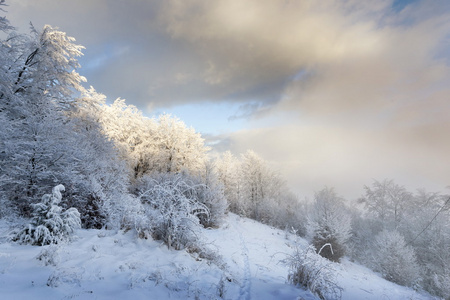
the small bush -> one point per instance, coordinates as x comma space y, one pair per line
311, 271
49, 255
49, 225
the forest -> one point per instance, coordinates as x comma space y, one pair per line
69, 160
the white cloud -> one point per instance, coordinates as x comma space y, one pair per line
347, 158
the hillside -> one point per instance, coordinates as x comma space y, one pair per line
346, 161
101, 264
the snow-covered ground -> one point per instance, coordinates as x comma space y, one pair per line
102, 264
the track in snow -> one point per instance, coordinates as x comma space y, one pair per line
247, 283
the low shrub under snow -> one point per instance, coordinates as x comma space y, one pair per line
50, 224
311, 271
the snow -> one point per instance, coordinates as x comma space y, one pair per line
101, 264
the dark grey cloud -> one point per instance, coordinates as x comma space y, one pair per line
178, 52
173, 52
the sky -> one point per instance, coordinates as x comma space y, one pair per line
333, 93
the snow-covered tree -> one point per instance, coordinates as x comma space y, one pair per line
290, 213
422, 221
426, 227
131, 133
6, 207
441, 283
38, 152
255, 190
394, 259
50, 224
254, 182
104, 176
157, 145
228, 166
329, 223
178, 148
37, 155
386, 201
48, 68
5, 50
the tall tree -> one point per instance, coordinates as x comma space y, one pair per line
228, 173
104, 178
4, 55
38, 152
253, 178
386, 201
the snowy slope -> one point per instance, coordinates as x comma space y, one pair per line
103, 264
254, 252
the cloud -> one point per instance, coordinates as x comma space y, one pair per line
336, 92
242, 51
248, 45
313, 156
398, 68
233, 50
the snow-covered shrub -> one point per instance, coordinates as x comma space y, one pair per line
290, 214
311, 271
394, 259
213, 198
125, 212
221, 287
204, 190
172, 210
49, 255
49, 225
70, 277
